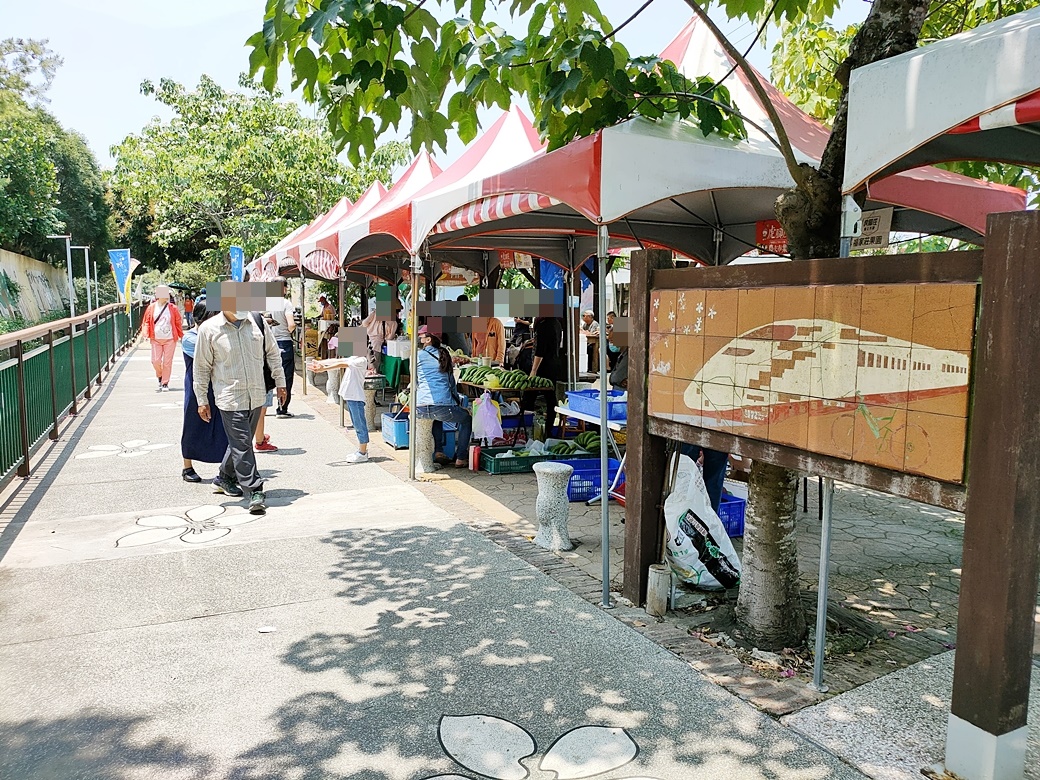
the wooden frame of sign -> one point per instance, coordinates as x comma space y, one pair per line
998, 379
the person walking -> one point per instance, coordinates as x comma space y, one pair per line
281, 319
352, 391
437, 398
230, 353
162, 326
189, 311
201, 441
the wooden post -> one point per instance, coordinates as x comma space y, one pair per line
986, 735
645, 461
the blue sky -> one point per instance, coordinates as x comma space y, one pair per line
110, 46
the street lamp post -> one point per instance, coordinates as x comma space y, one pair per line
86, 265
68, 262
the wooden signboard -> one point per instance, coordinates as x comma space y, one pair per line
876, 374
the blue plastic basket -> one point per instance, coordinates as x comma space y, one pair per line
395, 431
731, 513
584, 483
587, 402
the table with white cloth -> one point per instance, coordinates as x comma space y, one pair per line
612, 425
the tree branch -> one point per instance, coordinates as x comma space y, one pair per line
783, 141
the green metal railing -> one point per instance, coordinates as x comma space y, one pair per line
53, 366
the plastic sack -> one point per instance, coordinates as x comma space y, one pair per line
534, 447
509, 408
698, 549
486, 422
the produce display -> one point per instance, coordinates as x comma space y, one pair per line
497, 378
587, 442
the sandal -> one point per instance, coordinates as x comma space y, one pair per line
442, 459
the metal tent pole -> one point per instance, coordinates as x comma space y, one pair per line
413, 365
826, 501
303, 327
604, 482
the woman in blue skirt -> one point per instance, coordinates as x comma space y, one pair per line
202, 441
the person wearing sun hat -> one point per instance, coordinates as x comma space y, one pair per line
163, 327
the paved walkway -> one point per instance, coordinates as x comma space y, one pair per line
149, 628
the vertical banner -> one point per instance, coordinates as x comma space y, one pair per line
238, 264
121, 270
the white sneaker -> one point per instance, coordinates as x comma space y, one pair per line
357, 457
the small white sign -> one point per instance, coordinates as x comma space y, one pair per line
875, 227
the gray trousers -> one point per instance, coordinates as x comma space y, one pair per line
239, 464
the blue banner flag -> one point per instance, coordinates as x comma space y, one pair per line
238, 264
120, 259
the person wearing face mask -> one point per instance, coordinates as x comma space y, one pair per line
162, 326
230, 353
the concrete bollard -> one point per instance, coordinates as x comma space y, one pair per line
658, 589
374, 420
552, 507
422, 440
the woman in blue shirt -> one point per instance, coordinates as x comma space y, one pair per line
437, 398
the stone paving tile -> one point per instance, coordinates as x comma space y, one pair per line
895, 561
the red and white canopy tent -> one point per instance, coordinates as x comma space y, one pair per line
265, 266
664, 183
974, 96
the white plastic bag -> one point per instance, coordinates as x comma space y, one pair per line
698, 549
509, 408
486, 422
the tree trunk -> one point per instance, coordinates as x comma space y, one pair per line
769, 610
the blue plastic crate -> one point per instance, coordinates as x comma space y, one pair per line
731, 513
587, 402
395, 431
584, 482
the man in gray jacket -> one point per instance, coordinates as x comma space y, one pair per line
230, 353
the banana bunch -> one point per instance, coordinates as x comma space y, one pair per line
540, 383
588, 441
477, 374
515, 380
564, 448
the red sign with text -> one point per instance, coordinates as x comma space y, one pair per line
770, 237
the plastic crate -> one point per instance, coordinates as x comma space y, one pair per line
510, 421
395, 431
512, 465
584, 482
587, 402
731, 513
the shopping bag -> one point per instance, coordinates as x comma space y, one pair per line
486, 422
698, 549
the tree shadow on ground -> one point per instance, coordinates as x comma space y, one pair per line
94, 746
440, 622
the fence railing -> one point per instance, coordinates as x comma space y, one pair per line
50, 368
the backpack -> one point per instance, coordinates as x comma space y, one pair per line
268, 376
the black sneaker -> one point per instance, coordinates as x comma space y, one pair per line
256, 503
226, 486
283, 413
190, 475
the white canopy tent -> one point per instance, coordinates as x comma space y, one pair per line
969, 97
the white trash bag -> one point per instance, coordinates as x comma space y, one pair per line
487, 425
698, 550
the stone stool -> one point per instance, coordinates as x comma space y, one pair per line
374, 420
552, 507
422, 440
316, 380
332, 385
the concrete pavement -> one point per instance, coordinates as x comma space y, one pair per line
357, 630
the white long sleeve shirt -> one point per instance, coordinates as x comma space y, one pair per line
231, 355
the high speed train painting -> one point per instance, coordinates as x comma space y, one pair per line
770, 373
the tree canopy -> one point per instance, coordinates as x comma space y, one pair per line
230, 168
50, 181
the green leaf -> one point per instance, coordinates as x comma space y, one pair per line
305, 65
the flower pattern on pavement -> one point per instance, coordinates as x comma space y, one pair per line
128, 449
198, 525
491, 747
